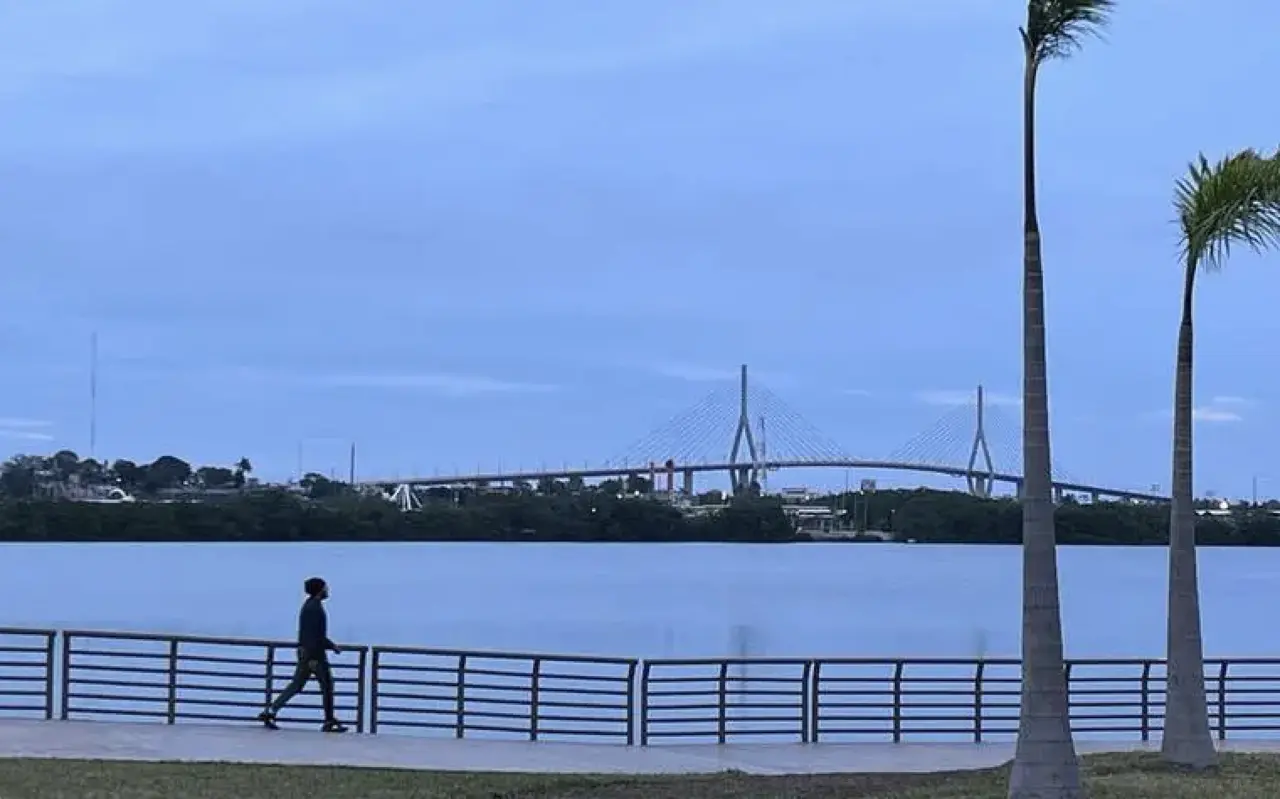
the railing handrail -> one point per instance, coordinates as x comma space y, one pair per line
32, 631
492, 654
208, 640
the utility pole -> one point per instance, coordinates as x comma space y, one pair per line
93, 394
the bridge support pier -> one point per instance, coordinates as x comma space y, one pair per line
688, 482
1095, 497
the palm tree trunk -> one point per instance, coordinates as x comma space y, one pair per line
1045, 763
1186, 740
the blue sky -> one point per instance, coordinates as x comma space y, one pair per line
506, 233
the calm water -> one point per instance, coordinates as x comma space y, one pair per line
643, 600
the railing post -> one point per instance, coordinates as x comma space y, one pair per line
978, 670
815, 695
373, 691
269, 675
1066, 676
66, 676
50, 663
171, 707
631, 704
535, 676
644, 702
805, 687
722, 703
1144, 722
460, 723
897, 701
1222, 700
362, 685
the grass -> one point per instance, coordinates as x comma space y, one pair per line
1125, 776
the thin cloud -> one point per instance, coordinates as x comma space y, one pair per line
693, 373
958, 397
856, 392
1219, 410
696, 373
25, 424
446, 384
22, 429
24, 435
452, 385
1212, 414
133, 42
1230, 399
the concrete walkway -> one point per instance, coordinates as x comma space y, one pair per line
194, 743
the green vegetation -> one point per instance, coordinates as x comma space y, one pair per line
1129, 776
594, 514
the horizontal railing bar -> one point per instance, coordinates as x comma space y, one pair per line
478, 654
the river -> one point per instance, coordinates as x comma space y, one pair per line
644, 600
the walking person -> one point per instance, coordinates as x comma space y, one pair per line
313, 658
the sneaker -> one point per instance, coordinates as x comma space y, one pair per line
333, 726
268, 720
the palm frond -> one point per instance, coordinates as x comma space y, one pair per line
1057, 28
1233, 201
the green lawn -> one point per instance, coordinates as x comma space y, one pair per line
1127, 776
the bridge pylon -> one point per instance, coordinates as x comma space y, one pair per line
742, 475
982, 471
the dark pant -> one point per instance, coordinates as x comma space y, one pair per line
308, 666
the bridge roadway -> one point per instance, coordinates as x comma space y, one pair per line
143, 741
847, 463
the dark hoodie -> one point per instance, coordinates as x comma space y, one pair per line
313, 629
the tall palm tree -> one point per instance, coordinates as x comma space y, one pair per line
1234, 201
1045, 762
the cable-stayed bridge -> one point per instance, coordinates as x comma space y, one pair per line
749, 432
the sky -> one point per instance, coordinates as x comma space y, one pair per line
502, 234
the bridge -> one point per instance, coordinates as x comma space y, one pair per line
717, 435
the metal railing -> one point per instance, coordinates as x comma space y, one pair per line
187, 678
867, 699
724, 699
26, 672
82, 674
531, 696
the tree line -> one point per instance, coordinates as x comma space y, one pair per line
922, 516
64, 472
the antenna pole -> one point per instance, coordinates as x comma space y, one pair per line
93, 393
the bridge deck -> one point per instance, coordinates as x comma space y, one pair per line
194, 743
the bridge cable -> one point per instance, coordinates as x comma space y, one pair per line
797, 434
645, 446
921, 449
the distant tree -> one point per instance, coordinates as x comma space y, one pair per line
64, 464
92, 472
215, 477
637, 484
167, 472
317, 486
242, 471
611, 487
127, 474
19, 476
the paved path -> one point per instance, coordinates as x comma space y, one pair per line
157, 742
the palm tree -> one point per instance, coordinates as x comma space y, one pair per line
1235, 201
1045, 762
242, 470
